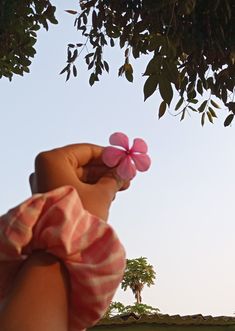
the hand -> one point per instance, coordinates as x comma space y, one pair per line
81, 166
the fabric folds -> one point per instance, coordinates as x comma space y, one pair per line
57, 223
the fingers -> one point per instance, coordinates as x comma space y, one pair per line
81, 154
81, 166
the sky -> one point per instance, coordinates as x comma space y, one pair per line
179, 214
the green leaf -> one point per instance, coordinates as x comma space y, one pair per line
75, 71
128, 67
128, 72
209, 116
194, 101
88, 58
224, 95
36, 27
53, 20
203, 106
191, 95
25, 61
72, 58
68, 75
26, 69
112, 42
193, 109
65, 69
94, 19
213, 114
73, 12
199, 87
162, 109
228, 120
69, 55
106, 66
92, 79
215, 104
121, 70
179, 103
84, 17
231, 106
183, 114
129, 76
90, 65
165, 89
152, 67
150, 86
89, 55
203, 119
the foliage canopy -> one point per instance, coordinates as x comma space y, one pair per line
117, 308
19, 23
191, 44
138, 273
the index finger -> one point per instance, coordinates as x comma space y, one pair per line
81, 154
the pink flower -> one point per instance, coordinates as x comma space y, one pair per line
127, 160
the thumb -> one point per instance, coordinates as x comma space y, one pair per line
103, 192
110, 183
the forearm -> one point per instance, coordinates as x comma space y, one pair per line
39, 297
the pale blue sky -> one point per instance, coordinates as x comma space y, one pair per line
180, 214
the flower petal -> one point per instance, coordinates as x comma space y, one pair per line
112, 156
142, 161
119, 139
139, 146
126, 169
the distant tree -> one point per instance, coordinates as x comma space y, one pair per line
191, 44
19, 22
138, 273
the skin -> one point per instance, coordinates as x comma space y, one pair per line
38, 299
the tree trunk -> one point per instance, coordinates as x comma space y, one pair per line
138, 296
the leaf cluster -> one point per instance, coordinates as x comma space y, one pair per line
19, 23
191, 44
141, 309
137, 274
117, 308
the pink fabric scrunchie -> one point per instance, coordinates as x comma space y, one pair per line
57, 223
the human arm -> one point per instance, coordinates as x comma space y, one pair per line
80, 167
